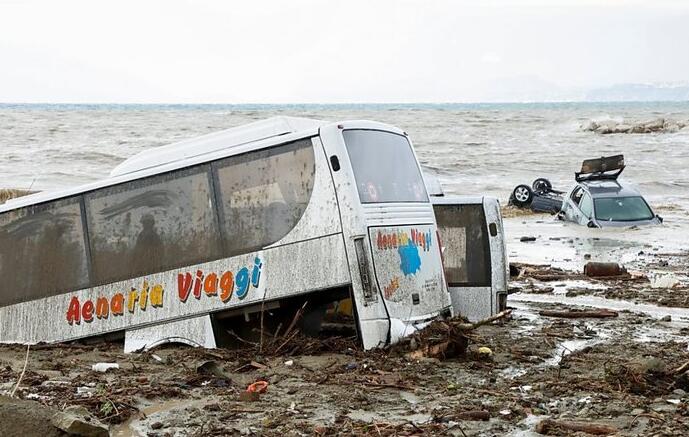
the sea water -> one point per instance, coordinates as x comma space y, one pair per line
473, 148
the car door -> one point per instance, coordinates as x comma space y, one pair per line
571, 210
586, 209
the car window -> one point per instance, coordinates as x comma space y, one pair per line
576, 195
586, 205
622, 209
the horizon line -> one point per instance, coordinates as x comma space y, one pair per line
402, 103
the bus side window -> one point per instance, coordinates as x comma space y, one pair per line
151, 225
264, 194
42, 251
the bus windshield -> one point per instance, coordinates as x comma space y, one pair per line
622, 209
384, 167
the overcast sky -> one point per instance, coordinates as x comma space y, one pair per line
278, 51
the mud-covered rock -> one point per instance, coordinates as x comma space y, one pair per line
77, 421
26, 418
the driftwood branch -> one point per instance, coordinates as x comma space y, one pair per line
474, 415
681, 369
592, 314
26, 362
555, 427
295, 320
491, 319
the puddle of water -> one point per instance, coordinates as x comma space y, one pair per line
526, 427
566, 244
512, 372
564, 286
568, 347
655, 311
648, 334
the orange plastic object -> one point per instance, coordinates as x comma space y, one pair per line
258, 387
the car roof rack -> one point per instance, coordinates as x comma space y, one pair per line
605, 168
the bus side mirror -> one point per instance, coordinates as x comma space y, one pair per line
660, 219
591, 224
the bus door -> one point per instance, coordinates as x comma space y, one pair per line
466, 241
389, 227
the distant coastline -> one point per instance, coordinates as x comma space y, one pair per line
343, 106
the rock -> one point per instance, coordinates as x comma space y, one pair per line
20, 417
655, 125
210, 368
664, 408
77, 410
667, 318
607, 127
527, 239
679, 392
156, 425
78, 424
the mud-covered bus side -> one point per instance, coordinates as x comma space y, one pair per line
194, 240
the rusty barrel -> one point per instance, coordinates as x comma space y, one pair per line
595, 269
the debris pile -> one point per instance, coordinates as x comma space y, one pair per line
10, 193
542, 272
443, 339
648, 376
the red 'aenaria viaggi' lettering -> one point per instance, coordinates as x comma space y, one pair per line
224, 286
115, 306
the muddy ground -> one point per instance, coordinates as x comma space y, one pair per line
619, 373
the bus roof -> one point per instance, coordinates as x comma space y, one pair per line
183, 153
228, 138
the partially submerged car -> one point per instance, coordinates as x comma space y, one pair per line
540, 197
601, 200
598, 199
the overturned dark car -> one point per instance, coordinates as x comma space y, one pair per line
598, 199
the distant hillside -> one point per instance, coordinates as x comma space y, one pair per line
639, 92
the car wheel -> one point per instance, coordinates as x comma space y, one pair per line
522, 195
542, 185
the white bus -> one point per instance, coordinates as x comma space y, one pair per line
474, 254
184, 240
